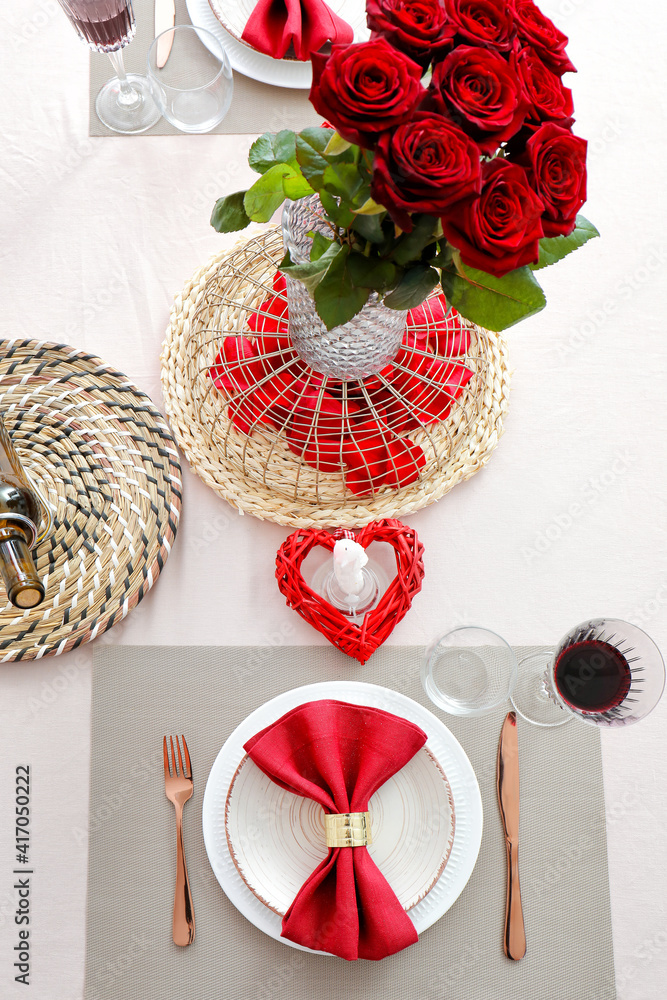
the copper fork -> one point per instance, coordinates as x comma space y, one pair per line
178, 786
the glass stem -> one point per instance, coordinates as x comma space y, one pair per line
128, 97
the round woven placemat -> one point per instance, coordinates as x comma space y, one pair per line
104, 459
261, 476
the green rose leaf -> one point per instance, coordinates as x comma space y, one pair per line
296, 187
369, 227
338, 214
413, 287
337, 298
311, 272
267, 193
270, 149
337, 145
310, 146
311, 154
228, 214
320, 245
554, 248
411, 245
342, 180
495, 303
369, 272
371, 207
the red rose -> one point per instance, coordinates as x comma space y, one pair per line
550, 100
416, 27
481, 92
365, 89
501, 229
557, 161
483, 22
536, 29
424, 166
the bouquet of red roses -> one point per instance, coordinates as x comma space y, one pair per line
451, 161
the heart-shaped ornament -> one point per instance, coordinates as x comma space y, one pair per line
357, 640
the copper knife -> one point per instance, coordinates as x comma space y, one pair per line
165, 18
514, 942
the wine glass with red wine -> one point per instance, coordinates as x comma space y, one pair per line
605, 672
125, 103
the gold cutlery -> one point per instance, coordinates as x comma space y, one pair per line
165, 18
178, 786
514, 942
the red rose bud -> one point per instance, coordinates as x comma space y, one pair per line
536, 29
557, 162
501, 229
424, 166
483, 22
479, 90
417, 27
365, 89
549, 99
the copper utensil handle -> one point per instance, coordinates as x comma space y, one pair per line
514, 942
183, 926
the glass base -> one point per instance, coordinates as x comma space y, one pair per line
353, 606
531, 697
129, 118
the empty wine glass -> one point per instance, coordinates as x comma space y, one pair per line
605, 672
469, 671
193, 90
125, 103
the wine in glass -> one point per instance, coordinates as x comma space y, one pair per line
125, 103
604, 672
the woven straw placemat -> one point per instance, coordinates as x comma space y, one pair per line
259, 474
105, 461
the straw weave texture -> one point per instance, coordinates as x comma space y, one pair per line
105, 461
258, 473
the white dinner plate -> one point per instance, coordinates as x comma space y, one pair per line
292, 842
440, 894
244, 59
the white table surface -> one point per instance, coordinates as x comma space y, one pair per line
568, 521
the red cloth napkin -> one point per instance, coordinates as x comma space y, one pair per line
307, 24
339, 755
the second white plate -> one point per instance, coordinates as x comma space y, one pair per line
412, 824
441, 744
244, 59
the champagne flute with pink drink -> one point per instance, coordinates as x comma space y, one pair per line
125, 104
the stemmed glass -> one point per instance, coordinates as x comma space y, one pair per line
605, 672
125, 103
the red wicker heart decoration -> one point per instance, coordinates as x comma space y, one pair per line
359, 641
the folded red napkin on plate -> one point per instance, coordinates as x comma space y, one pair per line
306, 24
339, 755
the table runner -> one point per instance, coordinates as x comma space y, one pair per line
256, 107
140, 693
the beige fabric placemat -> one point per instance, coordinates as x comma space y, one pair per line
256, 107
141, 693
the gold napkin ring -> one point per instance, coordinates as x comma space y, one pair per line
348, 829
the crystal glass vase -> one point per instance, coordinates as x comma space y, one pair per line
354, 350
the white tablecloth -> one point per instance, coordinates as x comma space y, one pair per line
568, 521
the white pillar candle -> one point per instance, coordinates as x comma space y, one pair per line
349, 558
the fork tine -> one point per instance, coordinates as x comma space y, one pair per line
167, 770
180, 759
173, 755
188, 773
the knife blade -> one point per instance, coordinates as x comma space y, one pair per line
165, 17
514, 941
